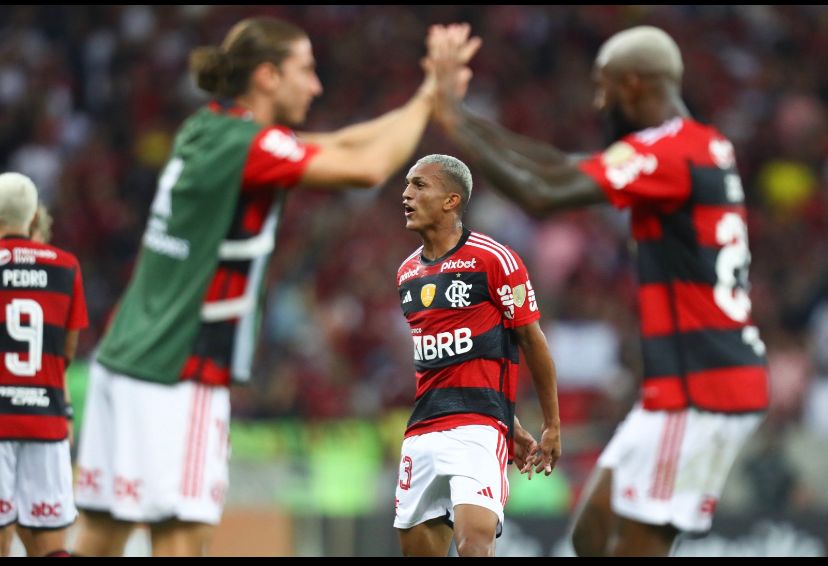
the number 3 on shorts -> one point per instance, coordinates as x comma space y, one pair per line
405, 472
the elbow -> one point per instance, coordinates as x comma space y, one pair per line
368, 179
370, 175
537, 206
538, 210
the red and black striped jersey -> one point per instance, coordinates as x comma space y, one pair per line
699, 343
224, 346
462, 309
41, 298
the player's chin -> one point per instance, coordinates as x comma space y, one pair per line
297, 117
410, 224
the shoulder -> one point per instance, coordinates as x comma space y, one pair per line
280, 142
494, 254
206, 127
409, 262
25, 251
61, 256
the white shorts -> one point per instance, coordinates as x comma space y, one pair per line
438, 470
36, 484
149, 452
671, 467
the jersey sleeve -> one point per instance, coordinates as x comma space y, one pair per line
633, 174
277, 159
77, 310
510, 286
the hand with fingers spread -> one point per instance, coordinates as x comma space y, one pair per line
549, 451
449, 51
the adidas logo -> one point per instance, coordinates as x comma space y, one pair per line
487, 492
407, 298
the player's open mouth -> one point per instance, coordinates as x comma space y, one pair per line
408, 210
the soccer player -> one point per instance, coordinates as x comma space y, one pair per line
154, 444
470, 305
705, 386
43, 309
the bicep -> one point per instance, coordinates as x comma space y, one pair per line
322, 139
530, 336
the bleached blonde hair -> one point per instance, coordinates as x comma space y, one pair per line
18, 201
643, 49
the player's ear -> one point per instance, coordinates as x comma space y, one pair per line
265, 76
452, 201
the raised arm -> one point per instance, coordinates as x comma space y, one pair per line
537, 176
366, 154
535, 350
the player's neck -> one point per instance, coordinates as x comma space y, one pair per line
438, 241
261, 109
12, 232
658, 110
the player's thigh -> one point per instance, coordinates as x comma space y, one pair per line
430, 538
594, 520
475, 529
635, 538
42, 542
6, 535
99, 534
180, 538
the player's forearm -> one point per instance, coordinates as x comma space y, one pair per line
70, 345
533, 151
399, 134
538, 186
417, 110
542, 368
543, 376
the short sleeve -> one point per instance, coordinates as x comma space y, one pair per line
634, 174
277, 159
510, 287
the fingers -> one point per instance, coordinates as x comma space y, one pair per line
468, 50
451, 43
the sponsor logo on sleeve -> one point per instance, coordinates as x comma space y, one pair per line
408, 274
519, 294
282, 145
508, 300
722, 153
623, 164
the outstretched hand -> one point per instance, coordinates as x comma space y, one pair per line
449, 51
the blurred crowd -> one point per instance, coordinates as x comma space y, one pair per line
91, 96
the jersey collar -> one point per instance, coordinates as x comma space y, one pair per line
463, 237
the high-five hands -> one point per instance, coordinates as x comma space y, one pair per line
449, 51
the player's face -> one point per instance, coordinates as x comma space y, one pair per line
610, 102
298, 84
424, 197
